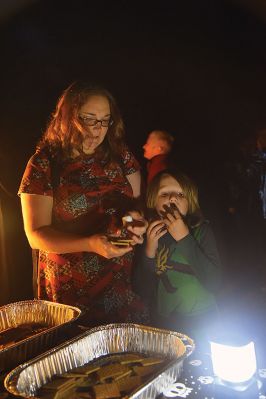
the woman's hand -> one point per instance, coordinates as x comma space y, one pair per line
102, 246
155, 231
137, 227
175, 223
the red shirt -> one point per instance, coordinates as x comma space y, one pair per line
156, 165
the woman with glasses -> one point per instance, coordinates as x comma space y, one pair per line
75, 190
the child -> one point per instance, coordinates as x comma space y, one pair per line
180, 248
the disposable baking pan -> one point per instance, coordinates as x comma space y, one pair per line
28, 378
57, 317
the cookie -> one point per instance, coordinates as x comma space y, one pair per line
149, 361
127, 384
111, 371
105, 391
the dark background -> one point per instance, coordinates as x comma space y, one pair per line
195, 68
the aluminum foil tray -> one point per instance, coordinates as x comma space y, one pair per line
56, 316
27, 378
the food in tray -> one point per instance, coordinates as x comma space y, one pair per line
130, 358
149, 361
142, 371
111, 371
16, 334
120, 241
109, 390
59, 384
111, 376
87, 369
126, 385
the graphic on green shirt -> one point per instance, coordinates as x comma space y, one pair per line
161, 260
179, 288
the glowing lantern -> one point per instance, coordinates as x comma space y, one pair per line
234, 368
234, 364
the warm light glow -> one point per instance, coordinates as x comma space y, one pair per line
234, 364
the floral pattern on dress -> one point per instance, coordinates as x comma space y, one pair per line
86, 200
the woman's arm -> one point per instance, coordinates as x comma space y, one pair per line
135, 182
37, 218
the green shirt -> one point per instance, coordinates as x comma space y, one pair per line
188, 273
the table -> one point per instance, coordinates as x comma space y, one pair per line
197, 381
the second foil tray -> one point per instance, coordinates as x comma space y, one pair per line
28, 378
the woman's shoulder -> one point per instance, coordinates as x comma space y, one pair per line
43, 161
37, 175
39, 159
45, 155
41, 153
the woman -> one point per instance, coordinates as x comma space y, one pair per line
76, 187
181, 250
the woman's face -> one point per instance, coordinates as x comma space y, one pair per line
93, 115
169, 192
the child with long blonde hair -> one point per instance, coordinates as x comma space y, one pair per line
180, 249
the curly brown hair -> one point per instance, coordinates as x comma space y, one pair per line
63, 130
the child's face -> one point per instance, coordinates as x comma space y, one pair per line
169, 192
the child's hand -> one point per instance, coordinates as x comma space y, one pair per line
155, 230
174, 222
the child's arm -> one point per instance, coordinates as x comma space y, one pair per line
202, 255
148, 264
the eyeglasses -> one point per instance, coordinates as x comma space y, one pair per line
87, 121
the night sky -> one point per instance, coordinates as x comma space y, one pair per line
195, 68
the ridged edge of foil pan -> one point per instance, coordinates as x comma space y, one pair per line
27, 378
57, 317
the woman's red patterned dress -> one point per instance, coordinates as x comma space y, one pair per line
88, 199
